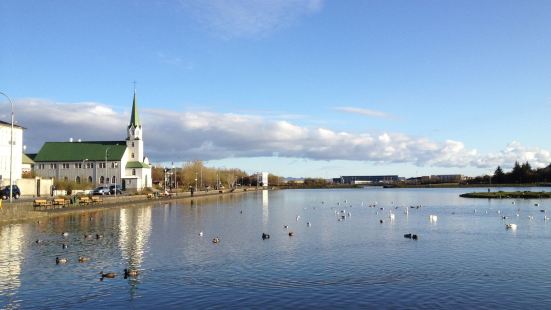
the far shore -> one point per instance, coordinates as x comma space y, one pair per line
505, 195
24, 211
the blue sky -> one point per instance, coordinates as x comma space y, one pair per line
299, 88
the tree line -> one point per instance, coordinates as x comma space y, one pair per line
521, 173
196, 174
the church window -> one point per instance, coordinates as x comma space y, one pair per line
90, 179
114, 180
77, 179
132, 155
133, 171
132, 144
101, 179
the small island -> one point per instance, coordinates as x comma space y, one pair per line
502, 194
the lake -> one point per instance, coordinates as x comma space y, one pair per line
465, 259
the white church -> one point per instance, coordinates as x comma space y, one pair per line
101, 163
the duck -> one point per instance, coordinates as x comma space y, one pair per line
200, 234
216, 240
65, 234
82, 259
414, 237
265, 236
407, 236
381, 221
98, 236
291, 234
308, 224
88, 236
109, 275
38, 241
298, 217
131, 273
64, 246
285, 226
61, 260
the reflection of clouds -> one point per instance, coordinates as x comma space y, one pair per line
11, 258
265, 210
135, 229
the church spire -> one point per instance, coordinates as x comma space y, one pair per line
134, 119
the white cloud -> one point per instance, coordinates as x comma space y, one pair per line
178, 136
363, 111
249, 18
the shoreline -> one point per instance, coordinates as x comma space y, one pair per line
18, 212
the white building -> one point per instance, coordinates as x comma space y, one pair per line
5, 152
99, 162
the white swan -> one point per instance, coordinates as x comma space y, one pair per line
433, 218
511, 226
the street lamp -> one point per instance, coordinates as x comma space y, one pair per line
195, 181
11, 145
106, 176
80, 169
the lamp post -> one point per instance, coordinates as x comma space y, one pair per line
195, 181
11, 146
105, 179
80, 169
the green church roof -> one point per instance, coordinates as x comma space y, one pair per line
134, 118
79, 151
136, 164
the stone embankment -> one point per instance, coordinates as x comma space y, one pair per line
23, 210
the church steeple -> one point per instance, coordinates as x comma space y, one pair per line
134, 118
134, 128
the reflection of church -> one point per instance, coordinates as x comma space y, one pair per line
134, 231
99, 162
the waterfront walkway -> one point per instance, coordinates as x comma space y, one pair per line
23, 210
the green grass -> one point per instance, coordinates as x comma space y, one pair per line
501, 194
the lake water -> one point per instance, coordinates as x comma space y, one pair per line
465, 259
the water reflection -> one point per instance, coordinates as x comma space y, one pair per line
135, 229
265, 210
11, 259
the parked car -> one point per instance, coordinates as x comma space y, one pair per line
16, 193
102, 190
112, 189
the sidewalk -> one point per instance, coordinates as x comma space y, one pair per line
23, 210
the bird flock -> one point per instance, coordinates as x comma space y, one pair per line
63, 260
342, 212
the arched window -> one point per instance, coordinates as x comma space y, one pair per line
133, 171
101, 179
90, 179
77, 179
132, 155
114, 180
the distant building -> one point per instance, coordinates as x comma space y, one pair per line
6, 152
367, 179
27, 163
447, 178
99, 162
440, 178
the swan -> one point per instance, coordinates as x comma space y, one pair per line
200, 234
511, 226
433, 218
